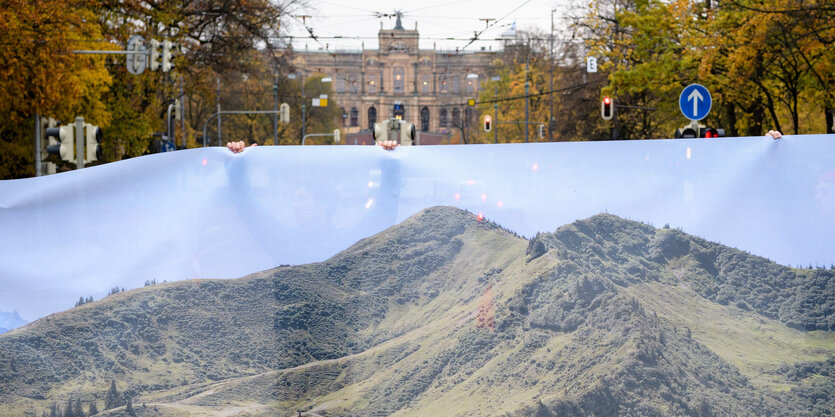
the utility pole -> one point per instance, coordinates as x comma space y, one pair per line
527, 97
304, 108
551, 63
219, 141
182, 113
615, 135
496, 80
275, 103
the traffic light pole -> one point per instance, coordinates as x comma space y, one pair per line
496, 115
79, 142
38, 168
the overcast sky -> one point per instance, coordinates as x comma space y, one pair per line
437, 20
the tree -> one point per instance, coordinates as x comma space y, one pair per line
129, 407
41, 75
112, 398
93, 410
530, 66
762, 64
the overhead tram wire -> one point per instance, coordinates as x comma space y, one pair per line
494, 24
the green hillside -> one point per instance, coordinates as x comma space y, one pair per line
445, 315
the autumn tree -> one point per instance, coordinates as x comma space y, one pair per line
43, 76
40, 75
526, 61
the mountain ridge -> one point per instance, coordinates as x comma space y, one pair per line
443, 310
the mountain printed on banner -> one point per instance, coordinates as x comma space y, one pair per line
449, 314
9, 321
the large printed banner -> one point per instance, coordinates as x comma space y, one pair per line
206, 213
667, 277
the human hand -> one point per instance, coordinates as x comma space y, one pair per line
237, 147
389, 145
774, 134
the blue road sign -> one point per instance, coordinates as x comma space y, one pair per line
694, 102
168, 146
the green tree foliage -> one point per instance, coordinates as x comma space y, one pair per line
767, 66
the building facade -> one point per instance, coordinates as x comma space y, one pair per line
429, 88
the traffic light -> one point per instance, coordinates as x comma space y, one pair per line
167, 52
284, 113
380, 132
541, 131
607, 108
710, 132
154, 54
93, 136
406, 131
488, 123
687, 132
336, 136
64, 145
693, 130
46, 141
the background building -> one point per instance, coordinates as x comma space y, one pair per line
426, 87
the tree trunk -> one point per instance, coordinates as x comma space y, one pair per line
731, 109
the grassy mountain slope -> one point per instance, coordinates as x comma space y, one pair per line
604, 316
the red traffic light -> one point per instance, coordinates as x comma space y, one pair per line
607, 108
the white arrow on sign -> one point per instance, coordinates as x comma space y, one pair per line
695, 96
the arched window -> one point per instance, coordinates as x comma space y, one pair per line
372, 117
355, 117
456, 117
424, 119
399, 79
442, 118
